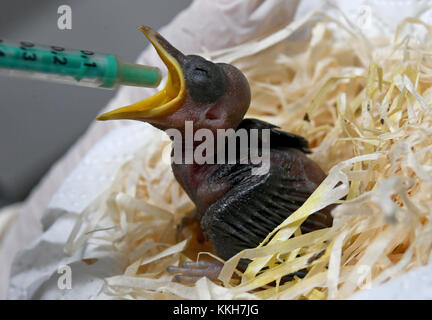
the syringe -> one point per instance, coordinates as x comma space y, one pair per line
79, 67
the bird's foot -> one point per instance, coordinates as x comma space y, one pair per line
191, 272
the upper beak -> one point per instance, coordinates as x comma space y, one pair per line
165, 101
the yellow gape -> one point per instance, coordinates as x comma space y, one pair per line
165, 101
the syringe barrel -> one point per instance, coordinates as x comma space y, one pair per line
80, 67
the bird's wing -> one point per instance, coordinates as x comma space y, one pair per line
253, 207
278, 138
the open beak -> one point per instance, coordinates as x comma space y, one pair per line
165, 101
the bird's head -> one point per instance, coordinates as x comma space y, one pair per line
211, 95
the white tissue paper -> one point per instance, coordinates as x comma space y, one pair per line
37, 269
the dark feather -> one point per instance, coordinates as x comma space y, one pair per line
255, 205
248, 212
278, 138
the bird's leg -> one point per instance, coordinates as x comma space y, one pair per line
189, 221
191, 272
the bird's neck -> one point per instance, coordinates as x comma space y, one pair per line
192, 173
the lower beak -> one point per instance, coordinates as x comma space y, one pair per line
165, 101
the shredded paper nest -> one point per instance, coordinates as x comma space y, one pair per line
364, 106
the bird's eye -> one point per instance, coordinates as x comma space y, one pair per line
200, 76
202, 72
205, 81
